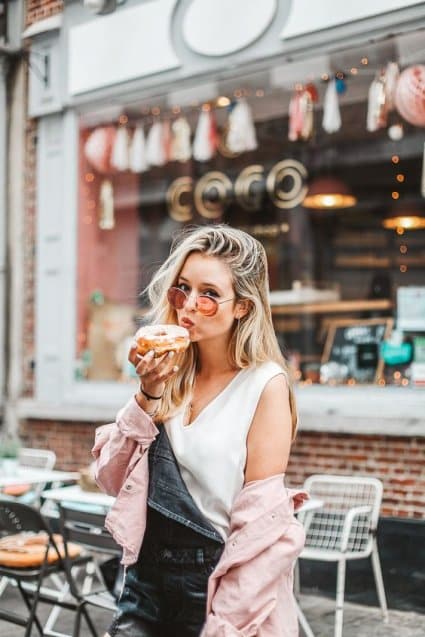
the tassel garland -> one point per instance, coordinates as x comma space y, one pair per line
137, 159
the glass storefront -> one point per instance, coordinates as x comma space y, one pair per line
269, 152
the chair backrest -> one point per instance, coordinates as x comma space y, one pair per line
37, 458
16, 517
350, 502
87, 529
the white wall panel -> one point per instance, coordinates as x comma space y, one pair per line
50, 289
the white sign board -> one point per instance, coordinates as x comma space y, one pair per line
308, 16
131, 43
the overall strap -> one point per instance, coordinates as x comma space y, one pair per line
168, 493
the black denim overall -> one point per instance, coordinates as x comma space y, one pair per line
165, 592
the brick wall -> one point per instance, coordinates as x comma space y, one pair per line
71, 441
40, 9
398, 462
29, 256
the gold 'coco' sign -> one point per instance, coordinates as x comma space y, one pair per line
285, 185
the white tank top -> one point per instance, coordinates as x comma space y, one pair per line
211, 451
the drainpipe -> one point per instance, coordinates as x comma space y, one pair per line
15, 249
3, 242
13, 104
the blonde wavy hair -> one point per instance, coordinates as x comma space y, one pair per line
253, 339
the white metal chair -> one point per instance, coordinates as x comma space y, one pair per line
36, 459
87, 529
344, 529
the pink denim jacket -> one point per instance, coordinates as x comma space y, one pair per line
250, 590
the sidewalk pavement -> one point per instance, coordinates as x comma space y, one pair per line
359, 620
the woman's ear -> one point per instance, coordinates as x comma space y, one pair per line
242, 308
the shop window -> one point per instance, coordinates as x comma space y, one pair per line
241, 159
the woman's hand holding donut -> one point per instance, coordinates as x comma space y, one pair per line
152, 355
153, 372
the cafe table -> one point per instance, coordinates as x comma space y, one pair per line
76, 495
32, 476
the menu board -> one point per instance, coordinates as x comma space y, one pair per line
411, 308
355, 343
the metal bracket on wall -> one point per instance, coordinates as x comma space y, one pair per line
42, 69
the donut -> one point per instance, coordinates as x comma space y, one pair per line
162, 339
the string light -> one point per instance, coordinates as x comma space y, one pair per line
403, 249
395, 194
364, 61
222, 101
123, 119
400, 178
259, 92
176, 110
354, 71
395, 159
156, 111
403, 268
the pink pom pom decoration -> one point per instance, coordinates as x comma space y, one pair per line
410, 95
98, 149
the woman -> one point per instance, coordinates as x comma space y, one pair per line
205, 510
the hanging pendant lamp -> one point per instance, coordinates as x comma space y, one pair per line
405, 217
329, 193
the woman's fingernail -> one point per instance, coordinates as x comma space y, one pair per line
171, 354
175, 368
139, 356
151, 353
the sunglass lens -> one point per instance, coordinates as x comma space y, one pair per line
176, 298
207, 306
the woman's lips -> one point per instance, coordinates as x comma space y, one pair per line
187, 323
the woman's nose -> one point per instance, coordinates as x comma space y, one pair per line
191, 301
